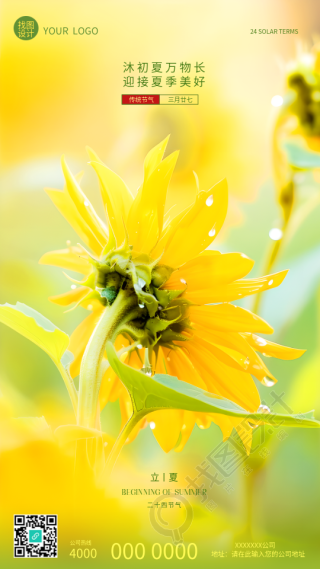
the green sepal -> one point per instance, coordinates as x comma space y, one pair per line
158, 324
112, 243
90, 281
166, 296
144, 272
171, 336
147, 299
161, 274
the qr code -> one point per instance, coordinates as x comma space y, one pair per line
35, 536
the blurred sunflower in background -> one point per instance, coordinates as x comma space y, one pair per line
181, 320
298, 124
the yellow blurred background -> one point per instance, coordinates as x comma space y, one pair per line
61, 93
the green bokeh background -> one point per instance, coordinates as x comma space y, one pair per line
279, 499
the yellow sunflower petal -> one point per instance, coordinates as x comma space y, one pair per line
84, 206
188, 423
272, 349
168, 424
116, 197
227, 424
221, 379
238, 349
244, 431
152, 161
67, 298
79, 339
199, 227
71, 259
203, 420
154, 157
65, 205
168, 232
179, 365
145, 221
235, 290
210, 270
108, 382
228, 317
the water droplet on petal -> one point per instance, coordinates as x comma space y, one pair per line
68, 242
139, 346
183, 281
73, 287
267, 381
266, 355
260, 341
141, 305
209, 201
168, 359
86, 203
152, 425
275, 234
212, 232
253, 426
89, 307
270, 282
263, 409
246, 362
183, 427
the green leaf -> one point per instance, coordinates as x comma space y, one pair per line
167, 392
67, 359
35, 327
300, 157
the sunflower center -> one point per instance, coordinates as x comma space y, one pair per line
161, 314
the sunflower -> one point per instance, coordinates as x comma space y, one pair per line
177, 315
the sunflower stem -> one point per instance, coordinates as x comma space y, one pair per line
271, 258
283, 178
71, 388
90, 373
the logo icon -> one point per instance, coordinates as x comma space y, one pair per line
35, 535
26, 28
